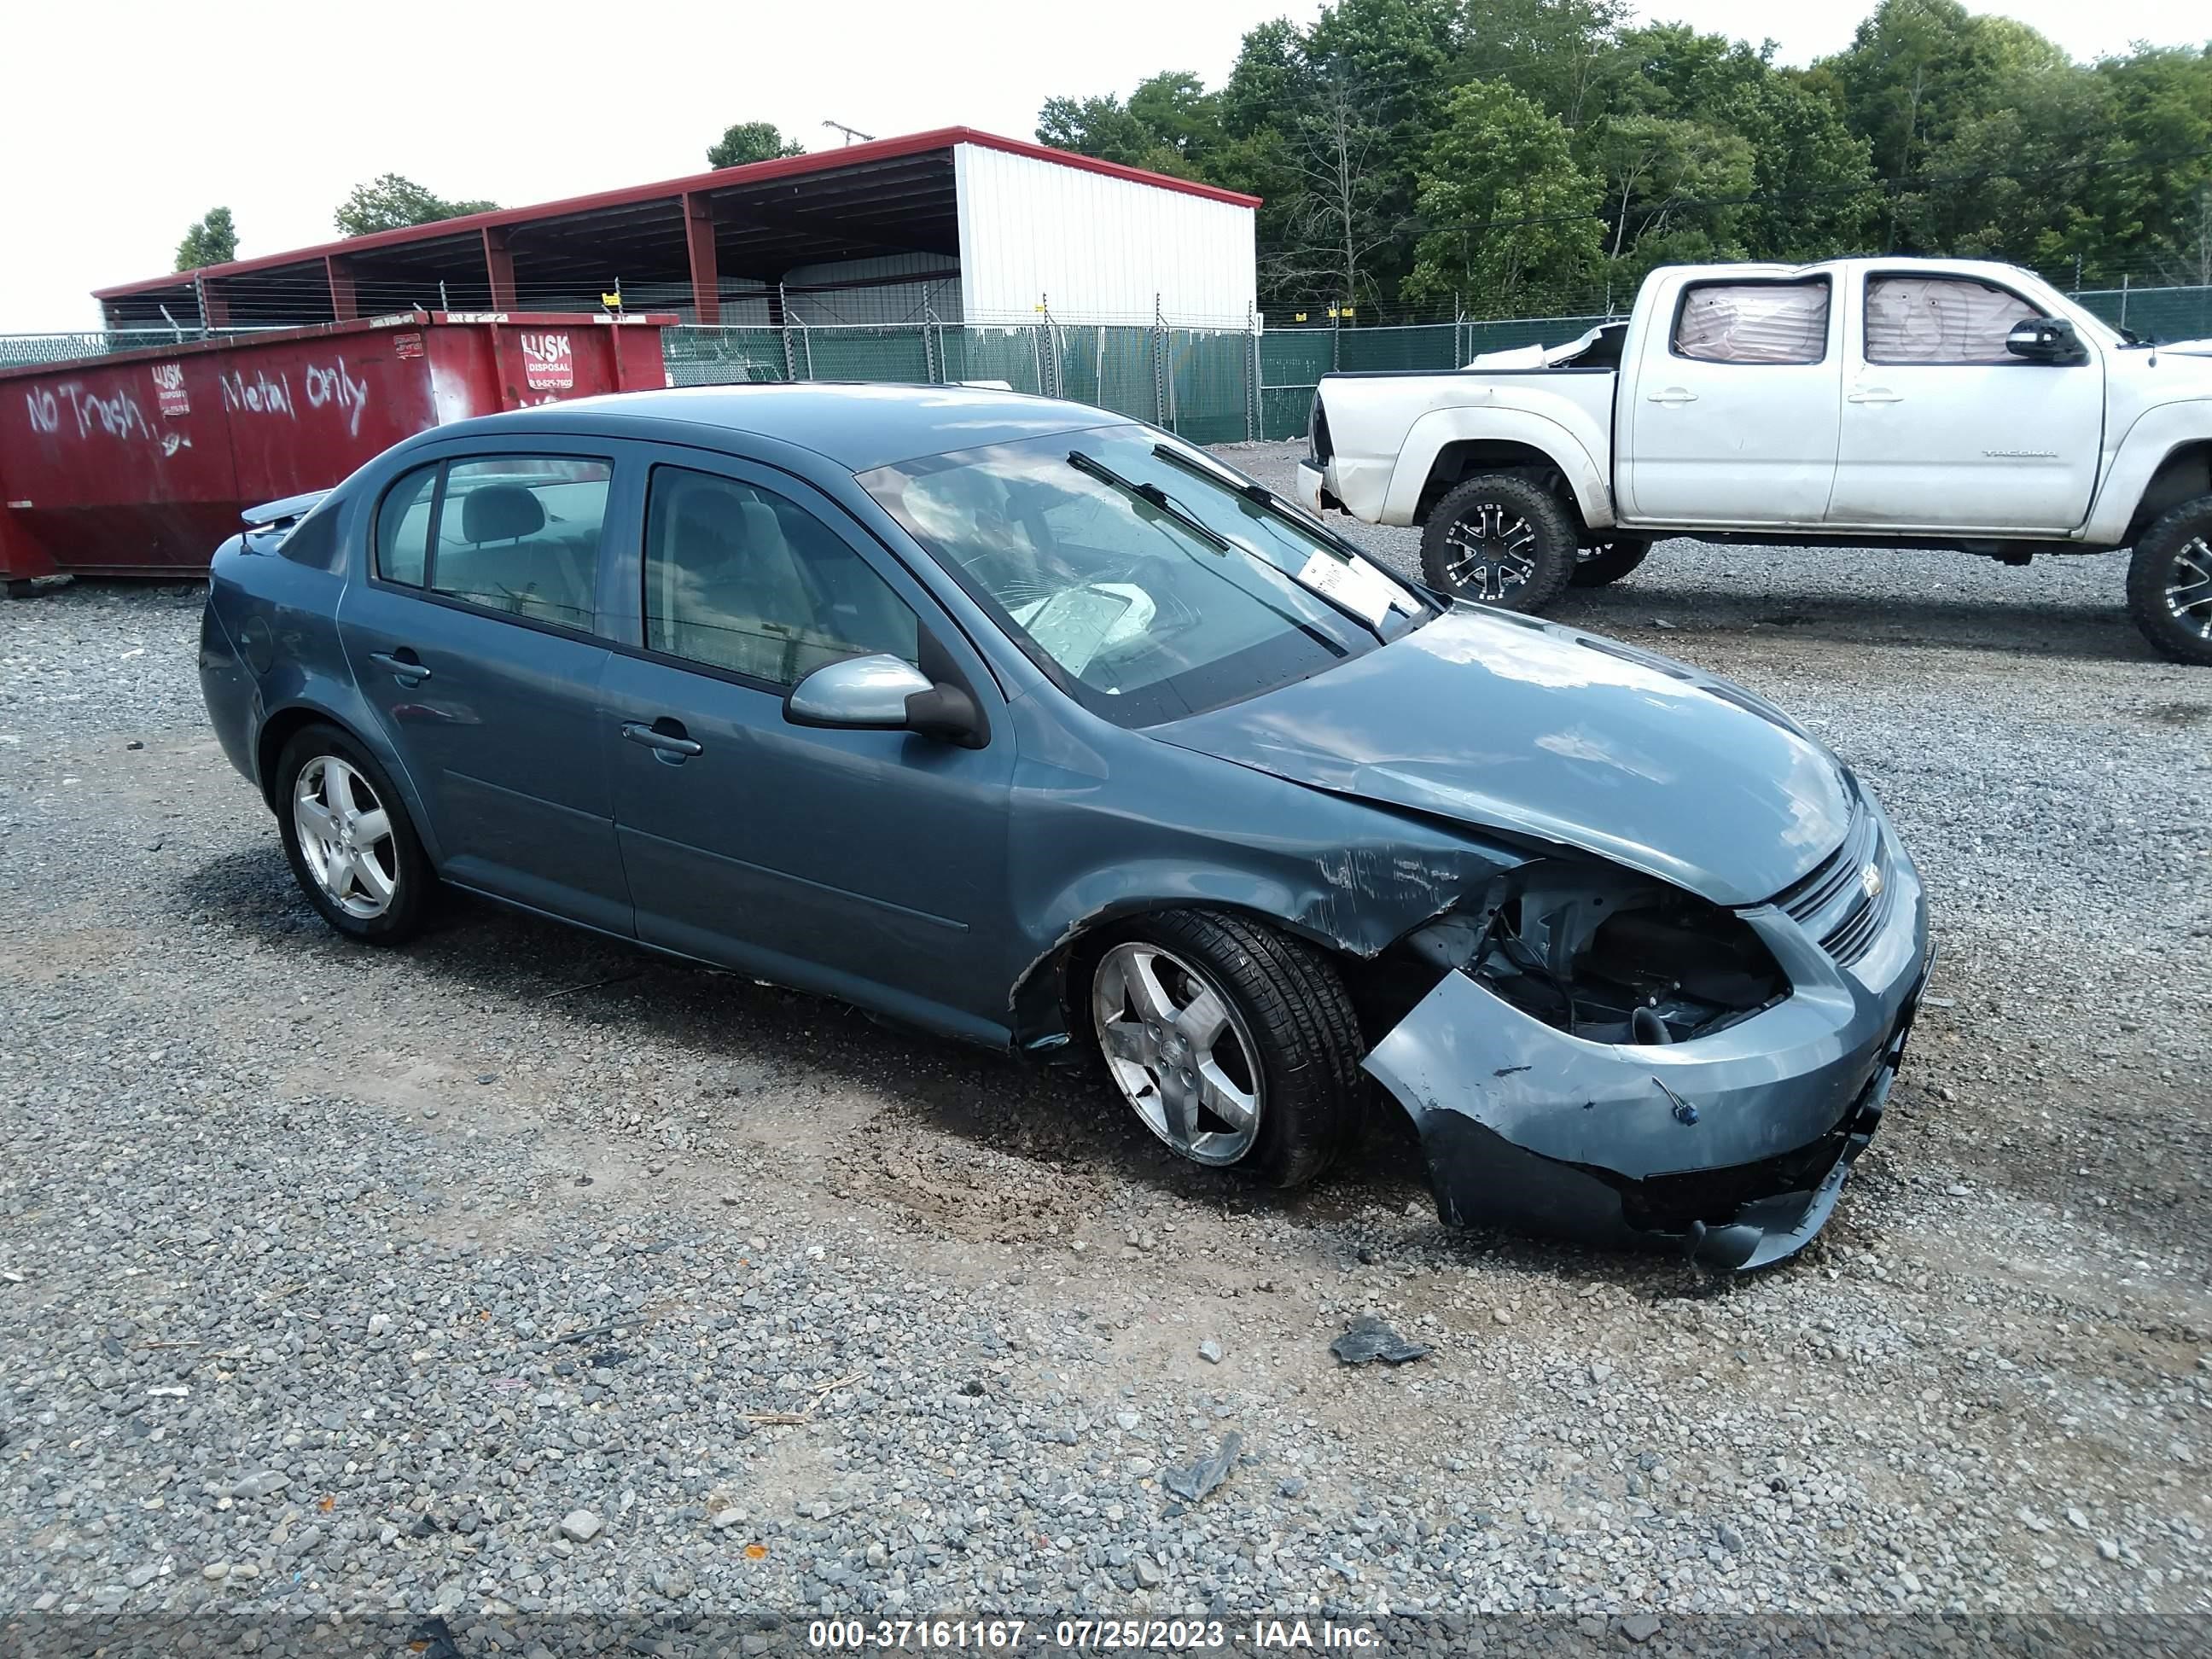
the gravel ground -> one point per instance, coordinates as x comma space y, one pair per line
518, 1271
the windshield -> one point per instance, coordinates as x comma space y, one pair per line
1146, 580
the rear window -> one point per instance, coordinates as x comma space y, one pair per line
1753, 322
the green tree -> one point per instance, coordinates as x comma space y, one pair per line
1681, 180
2016, 181
2155, 206
212, 240
1813, 191
750, 141
1169, 125
1562, 54
390, 201
1509, 215
1936, 130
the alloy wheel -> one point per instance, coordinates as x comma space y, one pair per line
2189, 595
1494, 551
1179, 1052
345, 837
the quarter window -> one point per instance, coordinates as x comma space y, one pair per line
1753, 322
402, 527
1940, 319
741, 578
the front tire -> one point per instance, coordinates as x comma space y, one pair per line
1237, 1047
2170, 583
1605, 562
351, 846
1500, 539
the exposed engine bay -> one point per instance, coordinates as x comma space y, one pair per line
1605, 955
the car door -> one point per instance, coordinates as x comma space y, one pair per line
866, 863
472, 637
1944, 429
1729, 417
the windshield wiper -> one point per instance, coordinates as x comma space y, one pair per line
1260, 496
1158, 498
1273, 505
1153, 496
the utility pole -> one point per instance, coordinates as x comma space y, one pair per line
851, 133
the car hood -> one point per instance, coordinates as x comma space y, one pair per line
1503, 723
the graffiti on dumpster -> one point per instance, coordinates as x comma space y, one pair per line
336, 385
258, 395
118, 417
327, 387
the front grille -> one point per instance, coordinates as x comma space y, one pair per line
1831, 903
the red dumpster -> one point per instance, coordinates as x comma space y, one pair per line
139, 465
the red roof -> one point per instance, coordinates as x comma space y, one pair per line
789, 166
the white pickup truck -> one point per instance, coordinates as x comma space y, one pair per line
1922, 402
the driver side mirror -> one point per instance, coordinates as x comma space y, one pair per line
882, 693
2045, 340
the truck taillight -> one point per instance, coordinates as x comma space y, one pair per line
1318, 425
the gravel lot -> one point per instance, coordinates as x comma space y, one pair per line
519, 1272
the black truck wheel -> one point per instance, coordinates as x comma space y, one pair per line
2170, 583
1500, 538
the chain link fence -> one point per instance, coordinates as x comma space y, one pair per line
29, 351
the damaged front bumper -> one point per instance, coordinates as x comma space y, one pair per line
1732, 1145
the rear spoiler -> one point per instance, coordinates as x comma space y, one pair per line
277, 516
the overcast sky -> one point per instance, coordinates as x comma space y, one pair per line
119, 133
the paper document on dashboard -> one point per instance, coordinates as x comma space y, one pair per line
1367, 594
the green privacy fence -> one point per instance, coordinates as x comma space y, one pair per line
1212, 385
1206, 383
2156, 313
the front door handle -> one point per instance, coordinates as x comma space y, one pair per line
1875, 394
1674, 394
404, 665
665, 737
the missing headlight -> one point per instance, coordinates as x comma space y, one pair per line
1607, 955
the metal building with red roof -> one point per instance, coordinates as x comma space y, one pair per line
974, 228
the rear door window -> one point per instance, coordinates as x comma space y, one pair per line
1753, 322
518, 534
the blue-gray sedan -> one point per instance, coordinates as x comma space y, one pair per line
1038, 727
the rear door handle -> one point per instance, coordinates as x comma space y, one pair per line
1674, 394
662, 741
1875, 394
404, 665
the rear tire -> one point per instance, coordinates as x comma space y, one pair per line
2170, 583
351, 846
1501, 539
1283, 1043
1605, 562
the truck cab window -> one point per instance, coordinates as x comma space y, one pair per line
1753, 322
1940, 319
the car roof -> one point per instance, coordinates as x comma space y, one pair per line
859, 425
